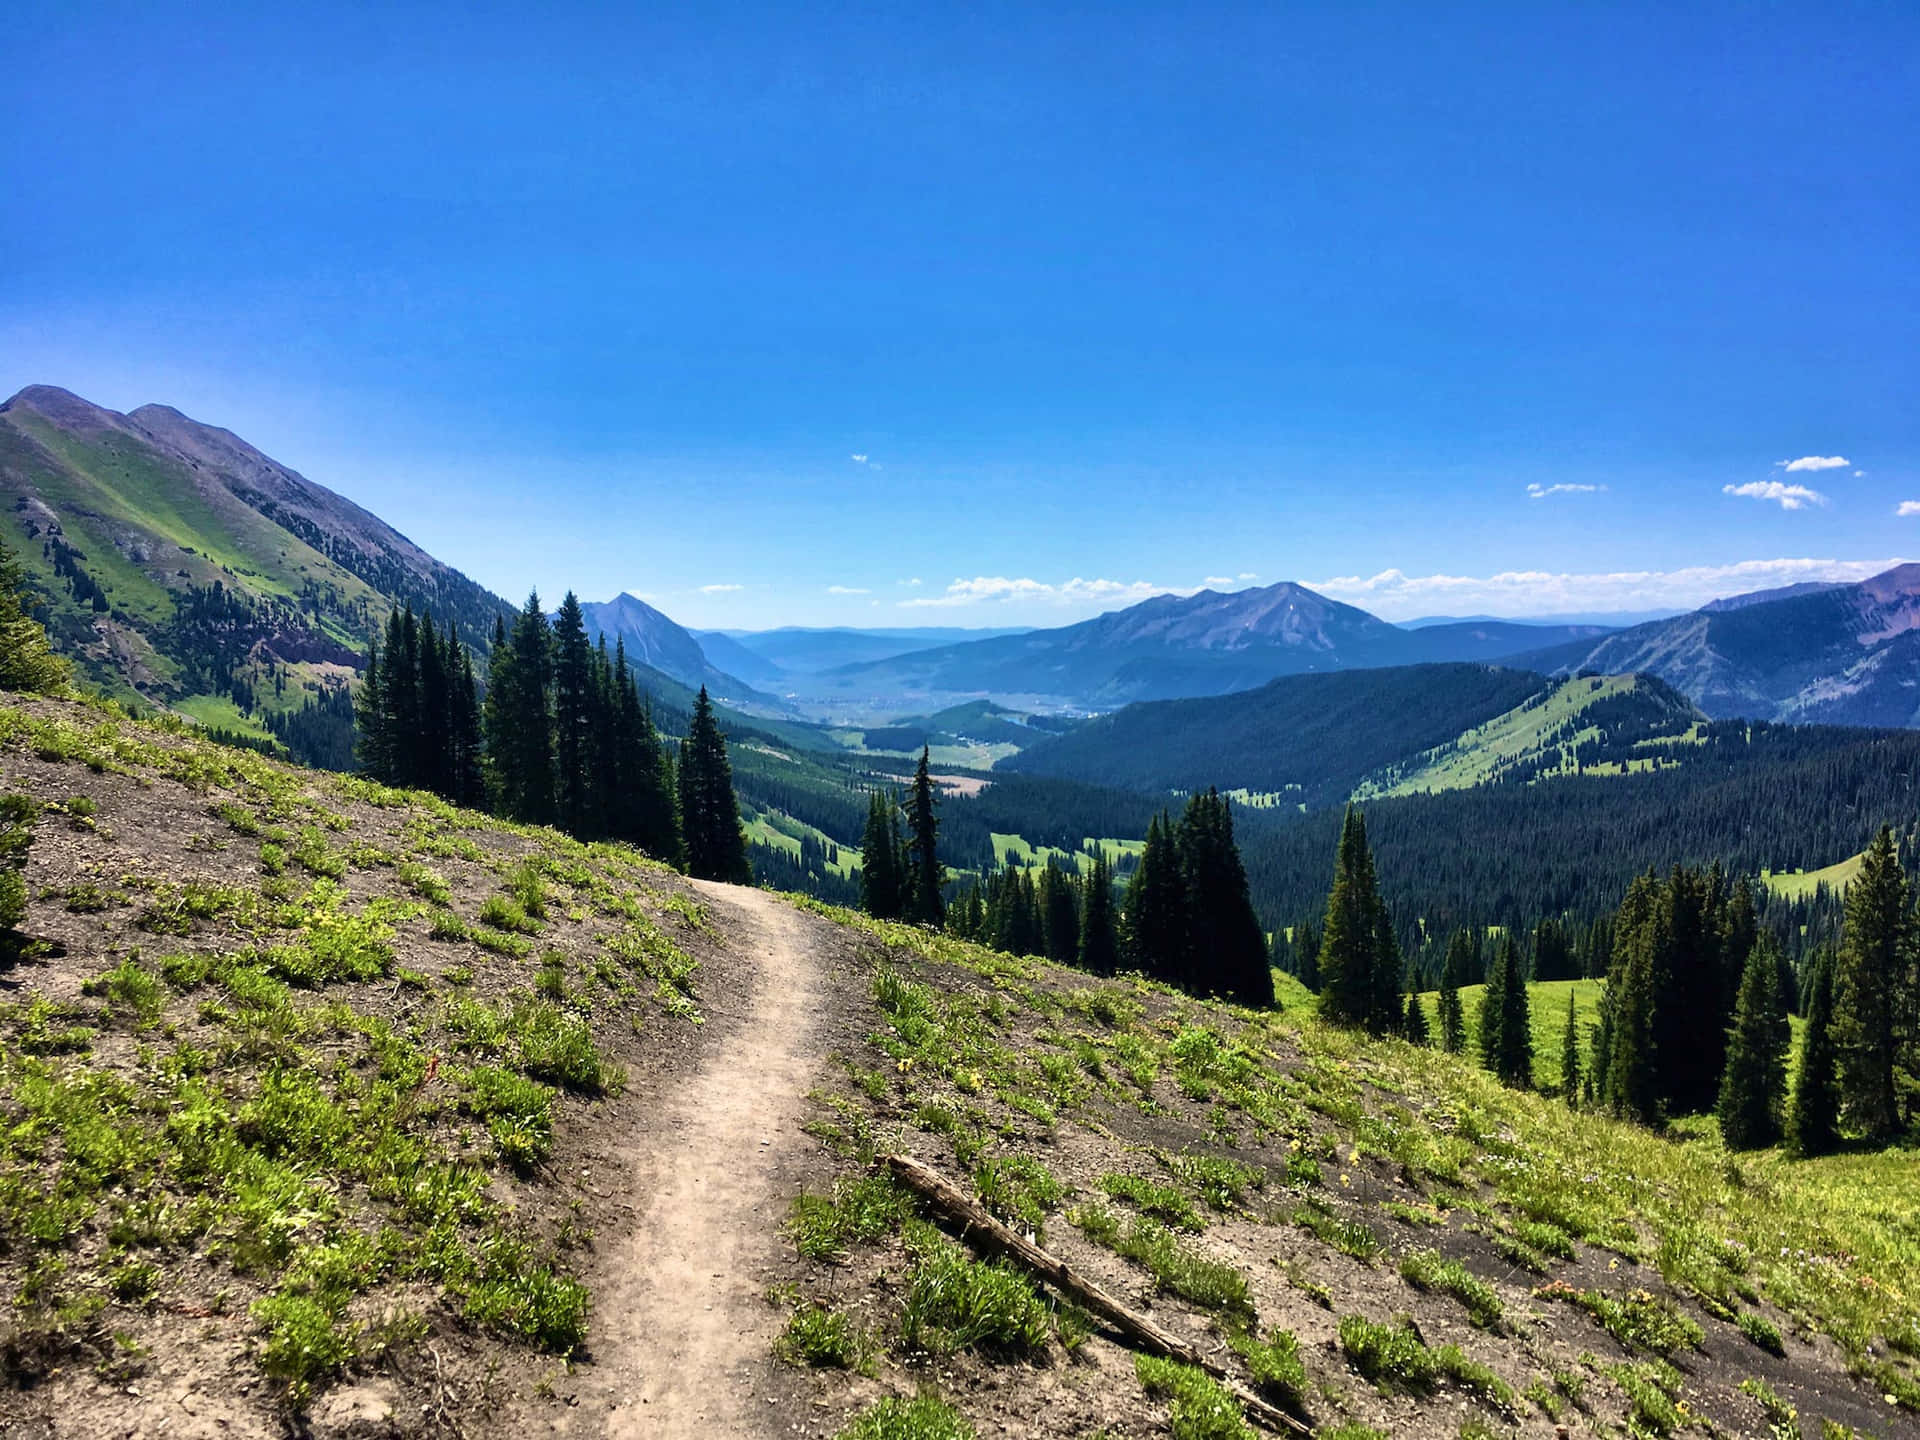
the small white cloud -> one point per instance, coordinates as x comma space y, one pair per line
1859, 474
847, 590
1540, 492
1814, 462
1246, 575
858, 459
1211, 580
720, 589
913, 584
1789, 497
985, 588
1908, 507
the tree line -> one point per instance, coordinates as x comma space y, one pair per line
563, 737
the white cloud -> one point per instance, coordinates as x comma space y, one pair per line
1908, 507
1540, 492
913, 584
847, 590
1859, 474
1399, 596
858, 459
1212, 580
1814, 462
1790, 497
1246, 575
983, 589
720, 589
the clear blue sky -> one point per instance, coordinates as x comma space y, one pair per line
1118, 294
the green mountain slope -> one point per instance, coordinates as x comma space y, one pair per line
181, 567
1593, 725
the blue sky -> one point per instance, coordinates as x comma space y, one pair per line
1110, 299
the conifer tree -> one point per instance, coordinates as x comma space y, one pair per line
880, 858
1413, 1025
1570, 1056
709, 814
647, 805
27, 661
1753, 1090
1350, 933
1156, 922
1059, 913
573, 718
926, 877
1385, 1015
374, 747
469, 788
1453, 1024
518, 720
1641, 948
1872, 990
1099, 942
1306, 955
1814, 1125
1225, 948
1506, 1027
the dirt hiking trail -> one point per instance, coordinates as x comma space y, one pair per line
681, 1327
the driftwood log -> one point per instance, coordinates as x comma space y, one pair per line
987, 1235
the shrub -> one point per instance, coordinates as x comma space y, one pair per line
1163, 1202
1175, 1268
1426, 1270
955, 1302
1762, 1332
1200, 1407
861, 1210
1276, 1367
1393, 1357
925, 1418
822, 1338
516, 1293
502, 913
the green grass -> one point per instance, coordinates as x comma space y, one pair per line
955, 1302
926, 1417
1801, 884
1199, 1407
1547, 1015
1176, 1268
1427, 1270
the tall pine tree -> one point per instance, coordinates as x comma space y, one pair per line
1226, 950
573, 719
925, 876
880, 858
1099, 942
1814, 1125
1872, 990
1155, 935
709, 814
1753, 1089
1349, 935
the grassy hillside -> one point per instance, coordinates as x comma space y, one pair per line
1803, 884
1597, 725
1312, 738
1280, 1192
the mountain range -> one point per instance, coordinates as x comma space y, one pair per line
1832, 654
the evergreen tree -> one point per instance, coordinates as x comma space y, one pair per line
1225, 948
1506, 1026
1099, 942
880, 858
926, 877
1872, 990
375, 743
1156, 919
647, 805
1570, 1056
1632, 1085
1413, 1025
468, 788
27, 661
1349, 935
1385, 1015
709, 814
1453, 1021
1814, 1125
434, 706
573, 719
1059, 913
518, 721
1753, 1090
1306, 955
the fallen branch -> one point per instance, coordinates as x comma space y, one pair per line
989, 1236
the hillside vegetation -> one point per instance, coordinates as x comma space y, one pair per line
1373, 1235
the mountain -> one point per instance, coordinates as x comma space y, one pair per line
654, 640
1300, 740
1764, 597
1175, 646
728, 654
180, 566
800, 650
1843, 654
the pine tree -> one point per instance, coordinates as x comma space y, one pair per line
925, 876
1753, 1090
880, 858
648, 805
1099, 942
1306, 955
1385, 1014
709, 814
1225, 948
375, 745
469, 788
1815, 1122
1156, 921
1872, 990
1453, 1021
1350, 933
1413, 1024
27, 661
1570, 1056
1632, 1083
518, 722
573, 718
1506, 1026
1059, 913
